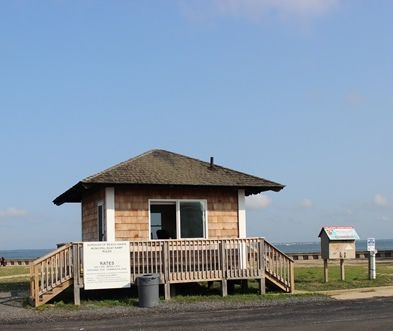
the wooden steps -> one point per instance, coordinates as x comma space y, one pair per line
52, 274
277, 283
50, 294
279, 269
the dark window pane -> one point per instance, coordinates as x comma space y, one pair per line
163, 221
191, 219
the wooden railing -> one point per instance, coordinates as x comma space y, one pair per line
147, 257
197, 260
193, 260
175, 261
211, 259
279, 267
77, 251
52, 273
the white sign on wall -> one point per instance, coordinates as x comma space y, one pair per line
106, 264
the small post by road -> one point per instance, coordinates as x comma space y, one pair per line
372, 269
342, 269
325, 271
372, 252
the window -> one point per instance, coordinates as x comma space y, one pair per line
191, 220
172, 219
101, 222
163, 220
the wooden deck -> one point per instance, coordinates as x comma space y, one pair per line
176, 261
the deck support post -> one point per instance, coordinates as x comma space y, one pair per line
224, 287
292, 272
262, 285
77, 295
167, 291
262, 280
224, 282
76, 274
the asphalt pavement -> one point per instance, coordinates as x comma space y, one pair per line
365, 314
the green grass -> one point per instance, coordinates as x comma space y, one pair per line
15, 270
185, 293
307, 278
58, 305
182, 299
18, 284
245, 297
310, 278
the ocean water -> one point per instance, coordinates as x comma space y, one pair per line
288, 247
24, 253
315, 246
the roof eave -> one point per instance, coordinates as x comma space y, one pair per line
71, 195
74, 194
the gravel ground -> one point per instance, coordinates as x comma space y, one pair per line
13, 312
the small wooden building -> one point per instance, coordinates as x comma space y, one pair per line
184, 219
164, 195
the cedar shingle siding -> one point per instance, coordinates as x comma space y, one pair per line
89, 215
132, 210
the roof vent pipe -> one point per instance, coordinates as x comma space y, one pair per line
211, 161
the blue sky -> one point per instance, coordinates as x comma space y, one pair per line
296, 91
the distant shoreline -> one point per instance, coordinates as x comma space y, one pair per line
285, 247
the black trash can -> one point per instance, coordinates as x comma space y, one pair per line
148, 290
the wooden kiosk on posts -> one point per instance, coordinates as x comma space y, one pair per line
337, 243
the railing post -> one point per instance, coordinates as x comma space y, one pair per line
292, 276
167, 285
69, 263
224, 285
34, 285
76, 273
262, 280
32, 281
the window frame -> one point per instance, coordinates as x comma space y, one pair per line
102, 205
177, 202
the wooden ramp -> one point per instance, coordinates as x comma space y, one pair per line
176, 261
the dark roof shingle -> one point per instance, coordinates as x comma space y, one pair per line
159, 167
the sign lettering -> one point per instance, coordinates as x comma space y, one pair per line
106, 264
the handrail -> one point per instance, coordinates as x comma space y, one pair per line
278, 250
50, 272
47, 256
279, 266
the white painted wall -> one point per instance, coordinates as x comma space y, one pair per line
110, 213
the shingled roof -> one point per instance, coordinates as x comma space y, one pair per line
163, 168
